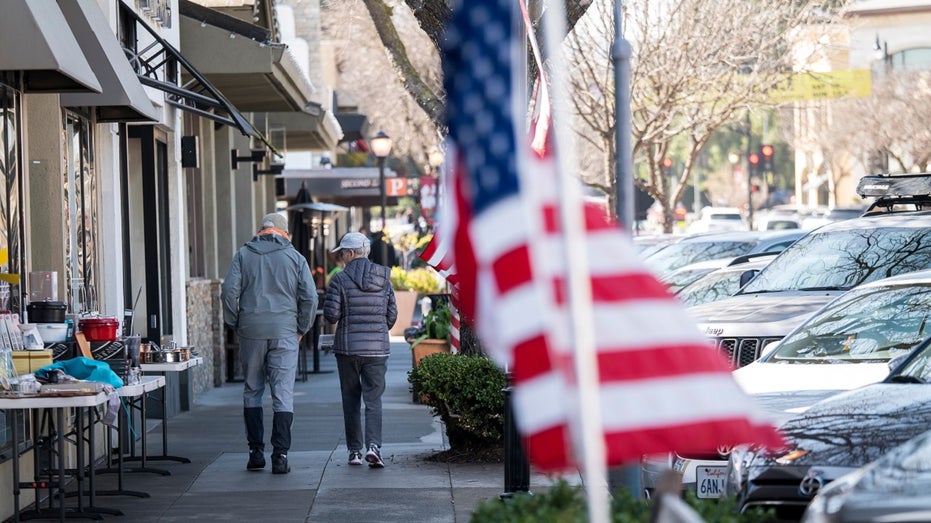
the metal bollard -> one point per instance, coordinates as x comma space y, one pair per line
516, 466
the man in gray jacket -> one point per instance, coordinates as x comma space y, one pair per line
270, 299
360, 300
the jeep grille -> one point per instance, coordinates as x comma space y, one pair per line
741, 351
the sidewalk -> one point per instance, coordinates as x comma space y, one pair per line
321, 487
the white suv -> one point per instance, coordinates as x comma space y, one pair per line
718, 219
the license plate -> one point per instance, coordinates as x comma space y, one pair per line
709, 481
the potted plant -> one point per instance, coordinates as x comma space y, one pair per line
433, 334
408, 285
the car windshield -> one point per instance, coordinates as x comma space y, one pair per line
842, 259
917, 370
874, 324
712, 287
685, 252
684, 276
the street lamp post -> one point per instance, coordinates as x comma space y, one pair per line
435, 157
381, 146
882, 53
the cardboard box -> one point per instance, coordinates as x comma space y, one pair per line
28, 361
108, 350
63, 351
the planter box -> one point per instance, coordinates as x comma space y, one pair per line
426, 348
407, 301
422, 350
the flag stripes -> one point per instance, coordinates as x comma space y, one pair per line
661, 385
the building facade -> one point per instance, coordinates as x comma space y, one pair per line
140, 139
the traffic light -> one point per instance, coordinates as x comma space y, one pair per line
766, 154
754, 160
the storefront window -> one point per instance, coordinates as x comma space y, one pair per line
11, 224
10, 195
81, 215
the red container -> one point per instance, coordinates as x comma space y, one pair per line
99, 329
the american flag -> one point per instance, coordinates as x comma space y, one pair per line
662, 387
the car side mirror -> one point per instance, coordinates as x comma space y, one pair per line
746, 276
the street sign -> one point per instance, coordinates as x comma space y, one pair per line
396, 186
801, 87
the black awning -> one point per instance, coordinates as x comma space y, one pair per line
157, 66
355, 126
347, 186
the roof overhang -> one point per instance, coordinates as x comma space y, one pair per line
348, 186
37, 41
196, 95
310, 130
123, 97
253, 72
355, 126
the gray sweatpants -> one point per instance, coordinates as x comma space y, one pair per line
272, 362
362, 379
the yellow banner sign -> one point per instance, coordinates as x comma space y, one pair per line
800, 87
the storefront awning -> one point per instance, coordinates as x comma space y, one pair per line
35, 39
355, 126
197, 95
349, 186
240, 59
311, 130
123, 97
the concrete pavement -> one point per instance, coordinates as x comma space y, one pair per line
321, 487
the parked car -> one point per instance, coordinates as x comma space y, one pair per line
683, 276
831, 215
813, 271
894, 488
779, 218
834, 437
712, 219
847, 344
647, 244
709, 246
723, 282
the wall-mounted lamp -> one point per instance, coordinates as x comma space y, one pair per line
256, 155
274, 169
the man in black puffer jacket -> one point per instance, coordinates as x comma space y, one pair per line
360, 300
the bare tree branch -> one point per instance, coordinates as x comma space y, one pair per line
425, 97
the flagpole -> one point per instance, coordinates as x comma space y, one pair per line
591, 432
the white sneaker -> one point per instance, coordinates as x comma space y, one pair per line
373, 456
355, 458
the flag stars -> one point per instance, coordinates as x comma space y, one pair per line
496, 89
484, 122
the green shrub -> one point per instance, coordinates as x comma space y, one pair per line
466, 393
563, 503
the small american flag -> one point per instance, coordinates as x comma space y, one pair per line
662, 387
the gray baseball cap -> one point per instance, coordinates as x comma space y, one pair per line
352, 241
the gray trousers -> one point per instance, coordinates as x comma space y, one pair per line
362, 378
271, 362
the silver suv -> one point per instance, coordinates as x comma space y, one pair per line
820, 266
